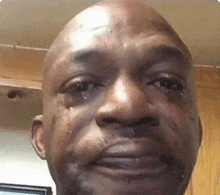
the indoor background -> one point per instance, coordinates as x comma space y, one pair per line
27, 29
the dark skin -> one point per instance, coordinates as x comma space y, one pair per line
119, 113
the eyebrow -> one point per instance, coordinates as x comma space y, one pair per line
85, 55
156, 53
162, 52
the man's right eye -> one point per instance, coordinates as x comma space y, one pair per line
81, 87
81, 90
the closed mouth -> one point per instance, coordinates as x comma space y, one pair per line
132, 159
146, 165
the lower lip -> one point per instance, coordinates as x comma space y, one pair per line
131, 167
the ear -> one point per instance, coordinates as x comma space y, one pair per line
37, 136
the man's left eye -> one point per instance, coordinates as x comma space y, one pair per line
169, 84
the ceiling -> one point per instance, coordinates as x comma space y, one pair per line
36, 23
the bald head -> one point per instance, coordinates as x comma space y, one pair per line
116, 18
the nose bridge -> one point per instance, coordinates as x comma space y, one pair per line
125, 102
126, 94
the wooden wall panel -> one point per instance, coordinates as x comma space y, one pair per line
22, 64
206, 176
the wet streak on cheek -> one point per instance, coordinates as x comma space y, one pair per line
59, 132
53, 123
74, 134
180, 100
57, 140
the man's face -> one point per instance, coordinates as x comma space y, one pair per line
119, 111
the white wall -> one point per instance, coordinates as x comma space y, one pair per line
19, 164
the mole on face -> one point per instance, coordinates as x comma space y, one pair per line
119, 112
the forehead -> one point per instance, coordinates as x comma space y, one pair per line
113, 29
117, 14
101, 25
118, 18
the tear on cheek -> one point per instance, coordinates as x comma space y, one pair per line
59, 111
61, 125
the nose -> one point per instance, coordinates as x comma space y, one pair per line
126, 103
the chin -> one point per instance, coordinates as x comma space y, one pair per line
144, 186
126, 182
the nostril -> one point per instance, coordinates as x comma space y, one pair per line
151, 121
111, 120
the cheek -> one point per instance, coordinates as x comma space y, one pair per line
181, 130
75, 135
57, 132
188, 123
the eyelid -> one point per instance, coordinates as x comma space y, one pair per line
79, 79
167, 75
